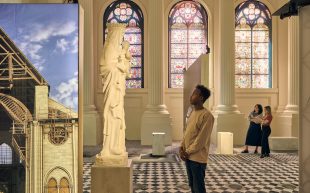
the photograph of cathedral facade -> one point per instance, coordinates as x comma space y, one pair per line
38, 134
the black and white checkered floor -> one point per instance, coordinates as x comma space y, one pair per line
225, 173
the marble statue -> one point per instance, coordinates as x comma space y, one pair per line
114, 68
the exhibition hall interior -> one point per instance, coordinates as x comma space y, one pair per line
95, 95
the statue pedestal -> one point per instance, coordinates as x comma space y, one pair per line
112, 160
113, 179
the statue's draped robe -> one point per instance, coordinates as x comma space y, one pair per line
113, 78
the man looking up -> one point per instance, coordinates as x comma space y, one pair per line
194, 148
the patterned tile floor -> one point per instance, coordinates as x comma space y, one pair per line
225, 173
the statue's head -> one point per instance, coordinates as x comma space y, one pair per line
116, 33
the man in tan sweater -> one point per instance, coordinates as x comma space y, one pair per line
194, 149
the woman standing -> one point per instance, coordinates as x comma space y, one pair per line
254, 134
266, 120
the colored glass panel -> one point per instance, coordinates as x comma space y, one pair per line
177, 80
135, 73
136, 62
260, 36
260, 50
178, 65
133, 38
260, 81
178, 50
243, 66
178, 36
243, 81
196, 36
260, 66
133, 83
135, 50
242, 50
243, 36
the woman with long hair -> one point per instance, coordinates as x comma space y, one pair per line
254, 134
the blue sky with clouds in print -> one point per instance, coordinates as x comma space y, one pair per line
48, 35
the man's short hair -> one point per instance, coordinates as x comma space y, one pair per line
204, 91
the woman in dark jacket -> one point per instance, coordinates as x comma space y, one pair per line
254, 135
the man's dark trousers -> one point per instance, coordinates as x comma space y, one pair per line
196, 176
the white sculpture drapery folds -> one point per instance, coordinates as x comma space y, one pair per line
114, 67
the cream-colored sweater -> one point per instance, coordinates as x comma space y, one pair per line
196, 141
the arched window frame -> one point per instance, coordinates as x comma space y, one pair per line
188, 22
52, 189
137, 16
6, 154
263, 19
64, 185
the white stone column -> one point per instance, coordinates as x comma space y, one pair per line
227, 116
293, 65
156, 117
92, 135
304, 95
287, 120
227, 58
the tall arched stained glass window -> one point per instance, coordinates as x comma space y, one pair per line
126, 11
188, 23
253, 45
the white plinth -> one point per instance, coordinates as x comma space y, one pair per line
225, 143
113, 179
158, 146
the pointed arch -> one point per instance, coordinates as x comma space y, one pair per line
64, 185
188, 38
253, 45
52, 186
124, 11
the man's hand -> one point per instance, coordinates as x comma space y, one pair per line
183, 155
